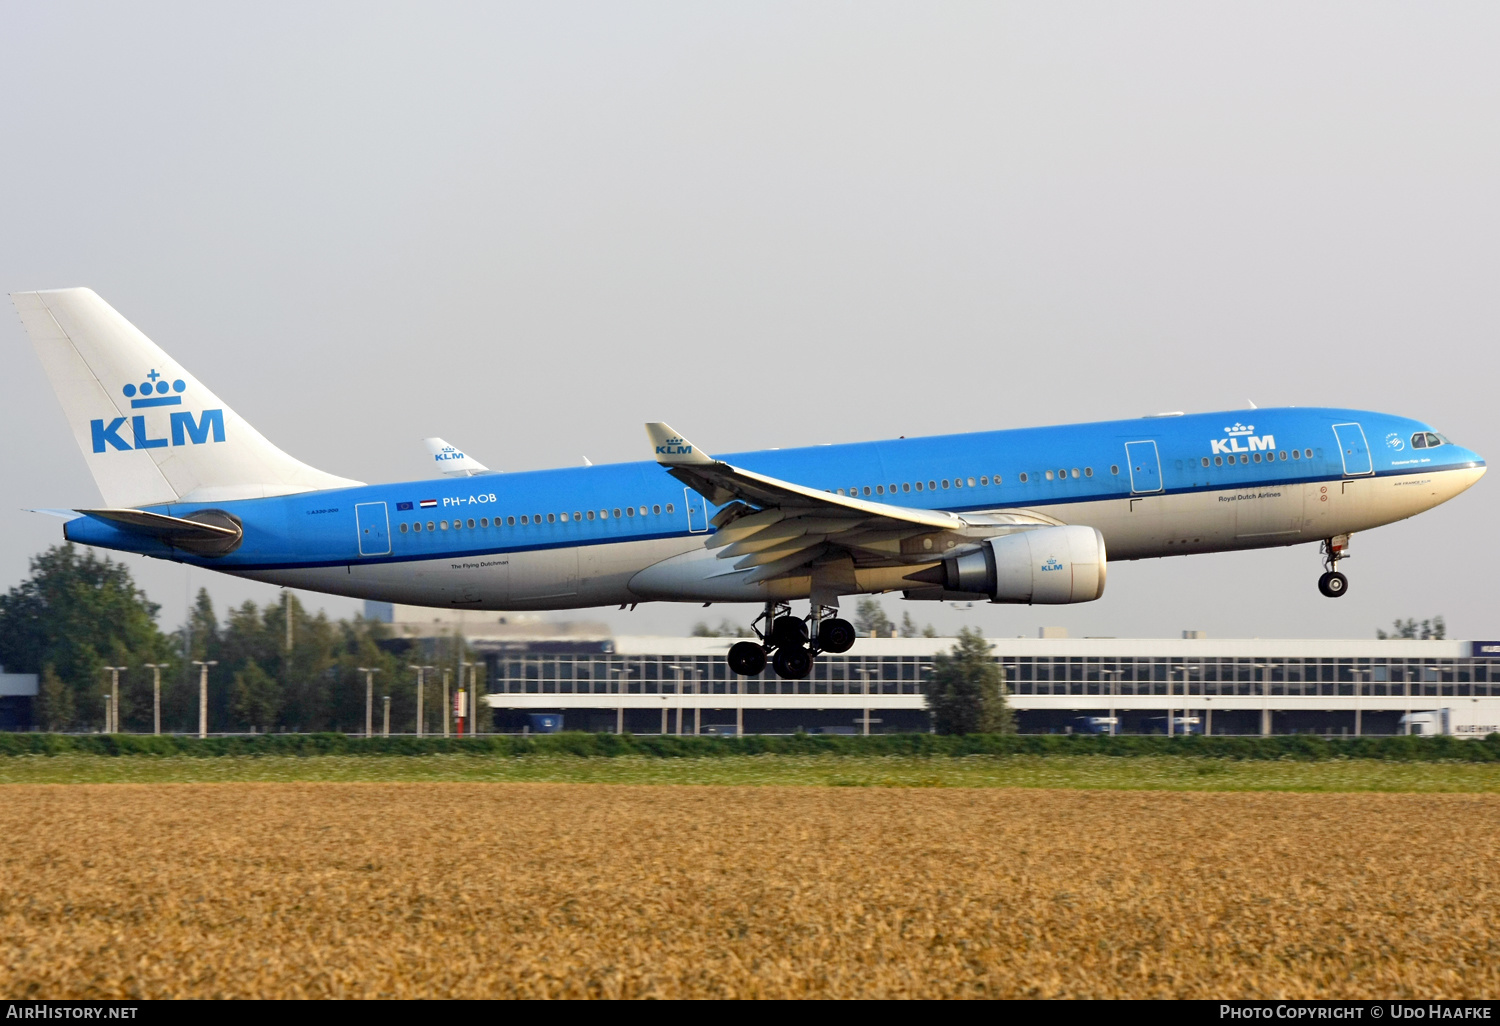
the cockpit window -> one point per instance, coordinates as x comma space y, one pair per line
1419, 440
1433, 441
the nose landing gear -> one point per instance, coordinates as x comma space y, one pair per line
1334, 584
793, 644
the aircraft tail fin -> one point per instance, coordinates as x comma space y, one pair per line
150, 431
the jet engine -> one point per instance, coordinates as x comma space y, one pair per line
1047, 566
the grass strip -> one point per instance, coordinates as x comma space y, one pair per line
1171, 773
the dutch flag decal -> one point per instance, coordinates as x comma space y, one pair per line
428, 503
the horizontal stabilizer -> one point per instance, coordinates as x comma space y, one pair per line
206, 533
452, 461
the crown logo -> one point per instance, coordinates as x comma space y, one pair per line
1240, 429
155, 391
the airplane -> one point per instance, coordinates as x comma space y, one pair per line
1013, 516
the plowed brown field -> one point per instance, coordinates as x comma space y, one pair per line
498, 890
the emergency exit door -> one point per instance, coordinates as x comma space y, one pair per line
1354, 450
374, 527
1145, 466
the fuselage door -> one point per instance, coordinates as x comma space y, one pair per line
697, 511
1354, 450
374, 528
1145, 466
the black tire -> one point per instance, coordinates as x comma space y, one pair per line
836, 636
746, 658
793, 663
1333, 584
788, 632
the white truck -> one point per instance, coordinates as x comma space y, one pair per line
1465, 717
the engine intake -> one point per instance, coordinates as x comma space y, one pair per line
1047, 566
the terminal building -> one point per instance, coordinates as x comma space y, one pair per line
581, 675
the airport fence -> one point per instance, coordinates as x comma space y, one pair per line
1306, 747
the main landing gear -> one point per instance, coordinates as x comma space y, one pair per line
791, 642
1334, 584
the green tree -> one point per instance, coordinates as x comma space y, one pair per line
869, 616
56, 703
254, 697
909, 628
966, 692
72, 611
1435, 629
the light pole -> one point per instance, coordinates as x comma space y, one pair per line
156, 669
1114, 677
421, 680
1265, 700
369, 672
1359, 676
112, 707
447, 703
203, 665
386, 728
864, 677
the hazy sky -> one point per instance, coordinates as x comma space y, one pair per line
528, 228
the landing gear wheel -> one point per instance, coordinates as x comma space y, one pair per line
1333, 584
793, 663
746, 658
836, 636
788, 632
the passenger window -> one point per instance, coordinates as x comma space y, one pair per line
510, 521
417, 526
1257, 457
1244, 459
932, 486
945, 482
444, 524
471, 523
1218, 461
893, 488
867, 489
590, 514
996, 480
1296, 455
1049, 475
643, 511
1308, 453
630, 511
525, 519
655, 510
563, 517
919, 486
1089, 471
670, 508
1023, 477
1114, 468
906, 486
551, 518
1283, 454
983, 480
958, 482
1205, 461
1075, 473
971, 480
484, 521
880, 489
431, 526
839, 491
403, 528
617, 513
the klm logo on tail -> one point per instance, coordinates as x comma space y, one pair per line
1232, 444
674, 447
183, 427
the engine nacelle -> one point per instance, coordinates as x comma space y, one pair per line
1047, 566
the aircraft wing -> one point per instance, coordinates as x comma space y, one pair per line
777, 526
